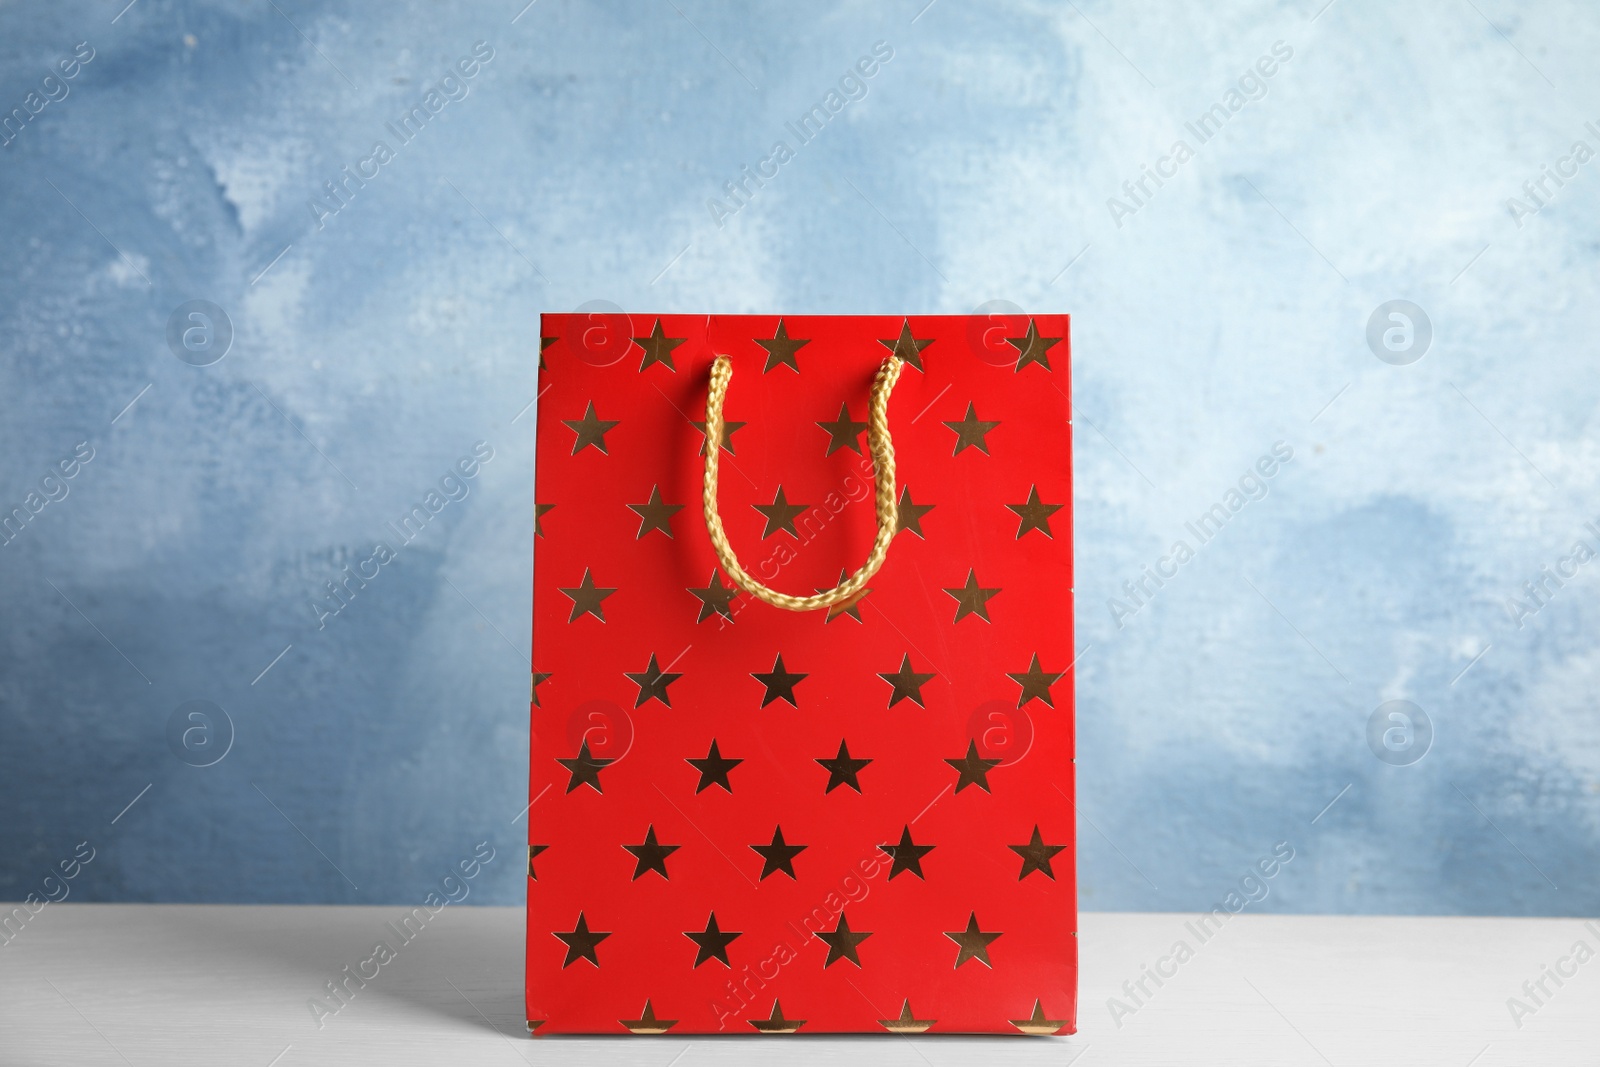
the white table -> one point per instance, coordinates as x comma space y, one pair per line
181, 984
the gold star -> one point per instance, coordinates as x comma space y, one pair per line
715, 598
971, 432
971, 599
781, 349
651, 855
713, 942
591, 430
906, 1024
538, 679
581, 942
842, 942
780, 682
907, 682
1036, 855
906, 347
1036, 1024
1036, 682
907, 855
728, 429
544, 343
533, 851
1031, 348
851, 607
538, 516
778, 856
780, 515
652, 683
647, 1023
844, 432
658, 347
842, 769
973, 941
713, 768
974, 768
654, 514
911, 513
776, 1023
585, 769
586, 598
1035, 515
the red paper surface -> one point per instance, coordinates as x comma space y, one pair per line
653, 390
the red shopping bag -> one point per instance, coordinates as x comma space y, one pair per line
801, 747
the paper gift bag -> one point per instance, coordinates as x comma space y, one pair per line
801, 749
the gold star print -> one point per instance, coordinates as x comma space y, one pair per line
544, 343
658, 347
647, 1023
911, 513
713, 942
851, 607
651, 855
1031, 348
973, 941
906, 347
974, 769
1035, 515
776, 1023
654, 514
907, 855
585, 769
538, 518
781, 349
1036, 855
907, 682
586, 598
972, 599
1036, 682
842, 769
715, 598
713, 769
1036, 1024
971, 432
780, 515
538, 679
844, 432
533, 851
652, 682
591, 430
780, 683
842, 942
581, 942
728, 429
778, 856
906, 1024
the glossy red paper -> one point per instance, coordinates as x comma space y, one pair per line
749, 820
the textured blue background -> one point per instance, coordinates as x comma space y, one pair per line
374, 347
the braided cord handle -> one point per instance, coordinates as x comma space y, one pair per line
882, 448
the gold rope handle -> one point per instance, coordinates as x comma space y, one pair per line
882, 448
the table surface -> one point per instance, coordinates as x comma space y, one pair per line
180, 984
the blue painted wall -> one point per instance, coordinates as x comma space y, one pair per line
378, 338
